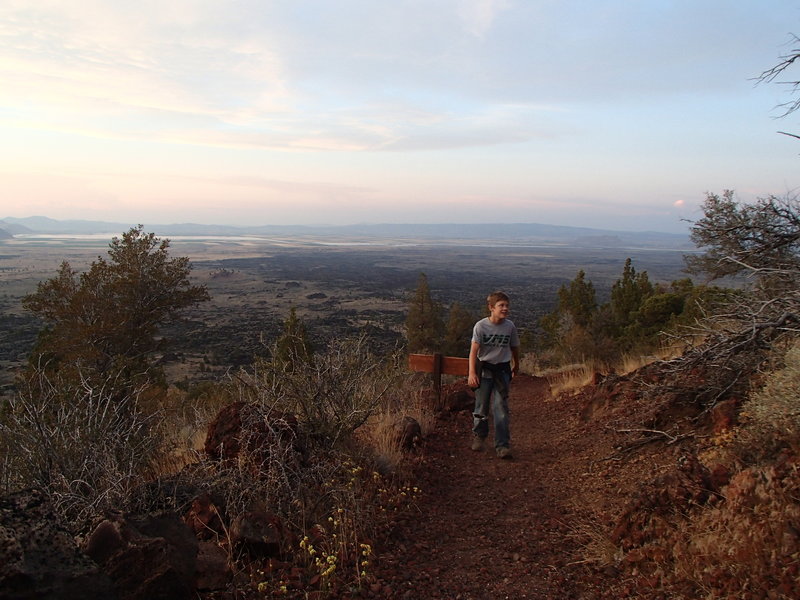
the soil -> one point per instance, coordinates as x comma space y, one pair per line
490, 529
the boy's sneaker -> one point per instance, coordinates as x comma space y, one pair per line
478, 443
503, 452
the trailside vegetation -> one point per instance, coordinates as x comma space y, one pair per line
634, 321
305, 436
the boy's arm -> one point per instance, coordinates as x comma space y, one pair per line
474, 379
515, 356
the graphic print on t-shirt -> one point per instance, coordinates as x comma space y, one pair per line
495, 339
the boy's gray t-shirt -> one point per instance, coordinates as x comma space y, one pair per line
496, 340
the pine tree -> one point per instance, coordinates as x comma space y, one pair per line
628, 294
294, 347
458, 331
575, 310
578, 300
424, 325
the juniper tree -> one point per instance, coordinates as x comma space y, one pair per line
106, 322
759, 245
772, 74
760, 240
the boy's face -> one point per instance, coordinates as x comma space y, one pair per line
500, 310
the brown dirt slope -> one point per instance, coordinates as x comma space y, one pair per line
521, 528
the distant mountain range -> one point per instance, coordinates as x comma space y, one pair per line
511, 233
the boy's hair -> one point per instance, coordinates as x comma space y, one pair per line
496, 297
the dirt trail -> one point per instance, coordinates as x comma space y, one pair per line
491, 529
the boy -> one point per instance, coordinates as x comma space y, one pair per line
495, 343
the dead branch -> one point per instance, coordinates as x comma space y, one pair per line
671, 439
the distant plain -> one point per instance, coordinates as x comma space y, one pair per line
338, 286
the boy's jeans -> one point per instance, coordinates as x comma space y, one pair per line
484, 396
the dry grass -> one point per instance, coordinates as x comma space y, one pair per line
571, 377
339, 493
92, 453
384, 429
597, 548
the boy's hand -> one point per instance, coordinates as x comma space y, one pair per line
474, 381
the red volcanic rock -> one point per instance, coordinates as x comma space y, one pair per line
40, 559
260, 533
245, 424
644, 516
408, 433
203, 518
723, 416
458, 397
213, 571
148, 556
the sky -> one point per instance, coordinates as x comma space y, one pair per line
614, 114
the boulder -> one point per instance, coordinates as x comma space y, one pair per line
39, 559
259, 533
458, 397
147, 557
241, 425
450, 398
213, 568
408, 433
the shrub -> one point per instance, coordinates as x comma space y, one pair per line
771, 417
84, 446
333, 395
306, 456
745, 542
746, 547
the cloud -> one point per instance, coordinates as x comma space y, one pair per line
108, 60
478, 16
361, 77
679, 203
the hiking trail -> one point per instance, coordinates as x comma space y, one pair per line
492, 529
